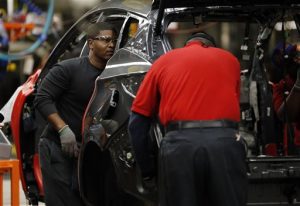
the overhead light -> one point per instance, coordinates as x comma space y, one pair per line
288, 25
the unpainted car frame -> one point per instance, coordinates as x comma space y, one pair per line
274, 180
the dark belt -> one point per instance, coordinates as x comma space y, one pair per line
178, 125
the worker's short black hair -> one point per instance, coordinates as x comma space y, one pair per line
203, 37
94, 29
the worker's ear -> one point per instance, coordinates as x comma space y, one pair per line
90, 43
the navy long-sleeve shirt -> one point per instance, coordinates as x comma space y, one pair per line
139, 126
66, 90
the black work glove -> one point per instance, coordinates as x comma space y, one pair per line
68, 141
297, 83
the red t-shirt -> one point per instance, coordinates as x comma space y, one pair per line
191, 83
278, 97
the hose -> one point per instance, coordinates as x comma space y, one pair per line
38, 42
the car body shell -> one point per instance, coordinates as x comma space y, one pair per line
114, 93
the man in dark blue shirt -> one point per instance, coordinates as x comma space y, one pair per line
62, 98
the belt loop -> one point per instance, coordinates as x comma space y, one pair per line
223, 123
180, 125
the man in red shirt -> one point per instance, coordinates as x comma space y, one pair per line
286, 100
195, 92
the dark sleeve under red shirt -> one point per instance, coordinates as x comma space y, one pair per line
191, 83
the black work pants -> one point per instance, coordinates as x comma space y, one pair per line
59, 175
202, 167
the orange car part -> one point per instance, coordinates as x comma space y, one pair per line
18, 30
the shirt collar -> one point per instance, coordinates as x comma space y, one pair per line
195, 43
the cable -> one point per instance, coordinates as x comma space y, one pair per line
38, 42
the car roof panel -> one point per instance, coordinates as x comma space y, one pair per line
142, 7
201, 3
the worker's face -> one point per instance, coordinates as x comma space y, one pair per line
103, 45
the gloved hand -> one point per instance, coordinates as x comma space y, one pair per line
68, 141
297, 83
